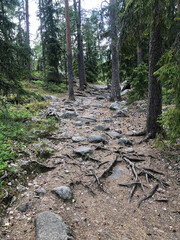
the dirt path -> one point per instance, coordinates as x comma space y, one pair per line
100, 211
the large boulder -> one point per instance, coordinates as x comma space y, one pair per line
50, 226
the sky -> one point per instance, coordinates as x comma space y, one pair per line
34, 23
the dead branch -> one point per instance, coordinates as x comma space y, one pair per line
149, 195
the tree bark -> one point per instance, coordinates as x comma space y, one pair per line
69, 51
81, 67
154, 87
28, 40
115, 86
41, 5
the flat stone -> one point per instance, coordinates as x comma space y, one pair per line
83, 150
114, 134
50, 226
117, 173
115, 106
69, 115
23, 207
89, 118
130, 150
97, 105
78, 139
96, 138
101, 127
63, 192
120, 114
124, 141
107, 120
40, 191
77, 123
100, 97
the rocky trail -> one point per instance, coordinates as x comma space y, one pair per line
99, 183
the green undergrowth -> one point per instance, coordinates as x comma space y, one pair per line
22, 124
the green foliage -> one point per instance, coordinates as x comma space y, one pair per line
170, 120
57, 88
139, 82
17, 129
169, 75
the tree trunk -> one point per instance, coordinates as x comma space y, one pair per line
139, 55
154, 88
69, 51
81, 67
28, 40
115, 86
41, 5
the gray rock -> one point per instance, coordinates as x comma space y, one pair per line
125, 239
52, 112
97, 105
77, 123
117, 173
100, 97
124, 141
124, 92
130, 150
107, 120
120, 114
114, 134
101, 127
89, 118
23, 207
96, 138
21, 188
69, 115
63, 192
50, 226
40, 191
80, 109
78, 139
83, 150
115, 106
117, 123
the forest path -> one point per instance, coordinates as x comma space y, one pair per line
99, 210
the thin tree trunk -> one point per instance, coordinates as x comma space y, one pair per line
69, 51
41, 5
115, 86
28, 39
81, 67
139, 56
154, 88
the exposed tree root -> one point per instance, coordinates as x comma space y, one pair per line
108, 171
138, 134
149, 195
147, 137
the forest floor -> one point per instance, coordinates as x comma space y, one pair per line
100, 208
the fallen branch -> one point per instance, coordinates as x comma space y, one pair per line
149, 195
